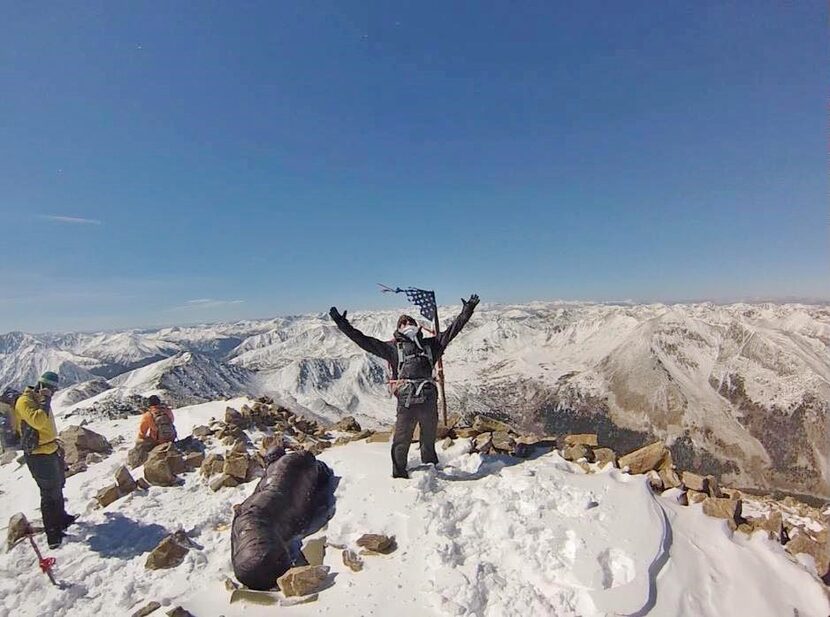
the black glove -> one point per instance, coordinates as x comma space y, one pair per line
336, 316
471, 303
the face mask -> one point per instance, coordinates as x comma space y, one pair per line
409, 331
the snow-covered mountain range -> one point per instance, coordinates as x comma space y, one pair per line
739, 390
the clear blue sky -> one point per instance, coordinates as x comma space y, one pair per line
230, 159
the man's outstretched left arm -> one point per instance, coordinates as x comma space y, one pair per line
458, 323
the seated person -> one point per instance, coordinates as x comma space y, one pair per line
156, 425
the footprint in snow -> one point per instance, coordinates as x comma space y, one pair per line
617, 568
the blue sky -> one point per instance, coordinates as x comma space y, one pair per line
173, 162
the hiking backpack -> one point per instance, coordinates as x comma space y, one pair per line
8, 399
9, 396
419, 355
29, 438
403, 357
165, 431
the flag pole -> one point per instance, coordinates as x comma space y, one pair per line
440, 366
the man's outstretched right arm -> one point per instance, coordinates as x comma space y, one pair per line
366, 343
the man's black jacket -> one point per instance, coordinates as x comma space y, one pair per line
388, 350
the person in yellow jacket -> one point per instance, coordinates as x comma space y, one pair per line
39, 438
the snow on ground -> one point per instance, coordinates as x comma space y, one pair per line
488, 537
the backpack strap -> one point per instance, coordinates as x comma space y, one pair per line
427, 351
401, 357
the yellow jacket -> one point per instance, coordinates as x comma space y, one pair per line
30, 410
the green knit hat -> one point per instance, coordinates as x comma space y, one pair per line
50, 380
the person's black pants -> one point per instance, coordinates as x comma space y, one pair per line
48, 472
424, 414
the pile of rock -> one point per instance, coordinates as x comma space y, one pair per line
191, 450
124, 485
233, 468
266, 415
352, 429
82, 447
801, 528
804, 542
347, 424
231, 429
137, 455
295, 429
655, 462
163, 465
492, 436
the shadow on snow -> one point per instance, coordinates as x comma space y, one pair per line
122, 537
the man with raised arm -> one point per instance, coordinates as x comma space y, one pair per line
412, 357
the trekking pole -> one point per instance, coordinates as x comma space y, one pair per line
44, 563
440, 366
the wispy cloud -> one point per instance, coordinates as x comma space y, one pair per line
204, 303
72, 220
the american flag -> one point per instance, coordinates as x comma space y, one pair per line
423, 299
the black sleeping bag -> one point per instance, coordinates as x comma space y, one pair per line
295, 492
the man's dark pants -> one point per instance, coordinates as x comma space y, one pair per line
48, 472
424, 414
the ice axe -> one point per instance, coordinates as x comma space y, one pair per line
45, 563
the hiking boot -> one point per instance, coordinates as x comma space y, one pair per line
400, 474
54, 539
68, 519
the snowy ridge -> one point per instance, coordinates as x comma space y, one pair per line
742, 390
77, 393
187, 374
27, 358
186, 378
125, 348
